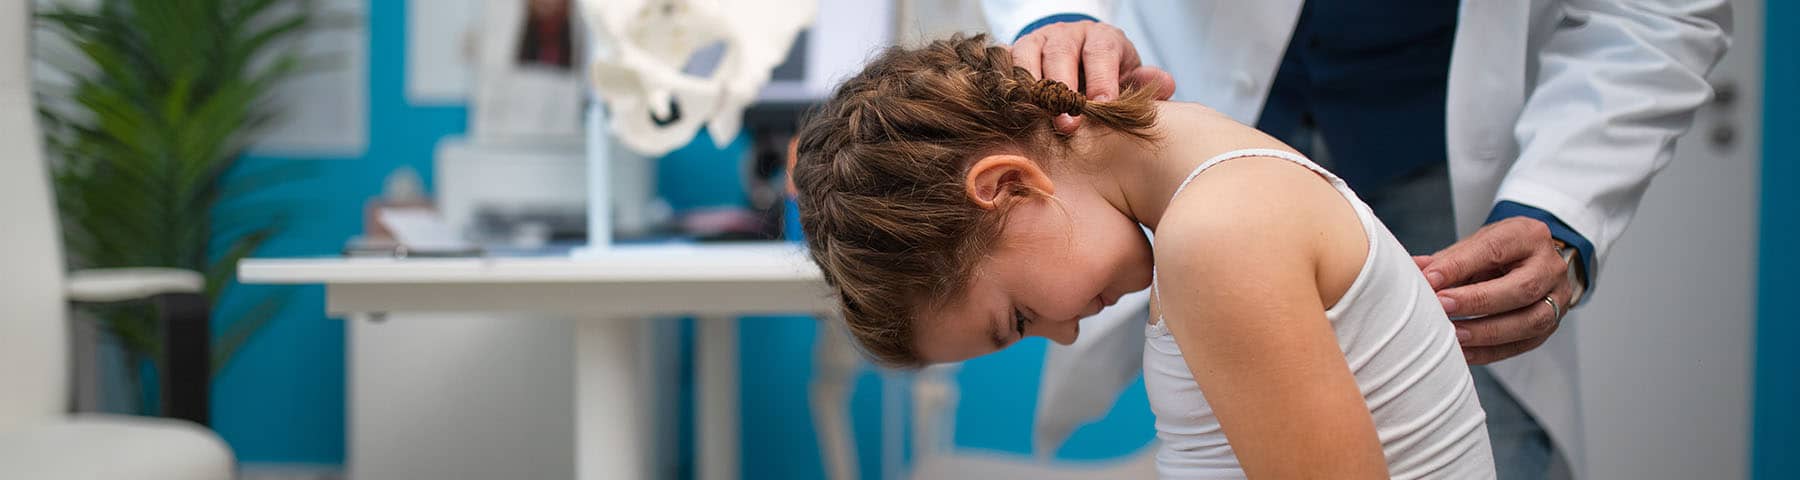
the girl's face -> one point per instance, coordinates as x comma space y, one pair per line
1058, 260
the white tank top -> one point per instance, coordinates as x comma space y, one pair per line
1399, 345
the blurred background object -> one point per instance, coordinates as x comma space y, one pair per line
39, 436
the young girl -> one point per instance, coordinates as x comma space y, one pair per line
1290, 336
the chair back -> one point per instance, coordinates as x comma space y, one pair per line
34, 343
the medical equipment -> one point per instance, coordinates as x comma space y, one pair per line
653, 101
641, 65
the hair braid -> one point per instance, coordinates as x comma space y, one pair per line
880, 175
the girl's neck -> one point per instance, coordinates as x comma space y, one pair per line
1140, 178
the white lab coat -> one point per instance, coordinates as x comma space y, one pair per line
1570, 106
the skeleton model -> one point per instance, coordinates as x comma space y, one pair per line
641, 64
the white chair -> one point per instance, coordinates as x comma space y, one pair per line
39, 438
1080, 384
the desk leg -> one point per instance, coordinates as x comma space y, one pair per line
893, 426
717, 369
608, 411
934, 411
835, 364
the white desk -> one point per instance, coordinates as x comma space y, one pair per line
716, 282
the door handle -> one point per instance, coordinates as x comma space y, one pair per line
1725, 93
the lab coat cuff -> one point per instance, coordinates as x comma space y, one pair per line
1584, 249
1054, 19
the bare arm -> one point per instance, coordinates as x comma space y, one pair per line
1241, 267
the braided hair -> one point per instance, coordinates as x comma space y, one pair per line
881, 166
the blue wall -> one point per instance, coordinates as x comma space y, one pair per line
282, 399
1776, 424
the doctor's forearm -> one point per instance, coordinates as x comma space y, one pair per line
1617, 82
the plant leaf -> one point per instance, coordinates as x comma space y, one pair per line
147, 124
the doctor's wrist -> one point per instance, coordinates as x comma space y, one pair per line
1577, 272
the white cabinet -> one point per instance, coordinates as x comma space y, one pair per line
461, 396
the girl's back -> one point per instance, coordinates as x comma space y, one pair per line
1400, 348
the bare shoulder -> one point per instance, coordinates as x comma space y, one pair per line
1242, 261
1253, 200
1261, 217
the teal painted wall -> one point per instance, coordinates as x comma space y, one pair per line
1775, 440
282, 399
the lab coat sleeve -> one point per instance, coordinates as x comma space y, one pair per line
1005, 18
1617, 82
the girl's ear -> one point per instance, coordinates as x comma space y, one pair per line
992, 178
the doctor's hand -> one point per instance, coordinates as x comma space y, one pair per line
1092, 56
1501, 274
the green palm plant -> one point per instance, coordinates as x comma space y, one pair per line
166, 96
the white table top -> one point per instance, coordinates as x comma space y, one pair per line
750, 277
750, 261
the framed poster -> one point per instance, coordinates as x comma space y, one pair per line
440, 50
325, 108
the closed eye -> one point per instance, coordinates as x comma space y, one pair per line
1018, 323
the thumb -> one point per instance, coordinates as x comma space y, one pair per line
1066, 124
1101, 85
1422, 261
1151, 78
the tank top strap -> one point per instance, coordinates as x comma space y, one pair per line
1256, 152
1158, 328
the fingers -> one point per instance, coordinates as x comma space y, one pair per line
1062, 53
1494, 247
1422, 261
1527, 282
1054, 52
1487, 355
1028, 53
1095, 58
1532, 321
1102, 61
1498, 337
1066, 124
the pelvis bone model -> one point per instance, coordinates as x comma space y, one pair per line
642, 48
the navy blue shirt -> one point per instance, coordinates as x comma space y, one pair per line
1371, 81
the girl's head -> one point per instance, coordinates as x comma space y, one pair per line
949, 216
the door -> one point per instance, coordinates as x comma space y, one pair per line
1665, 342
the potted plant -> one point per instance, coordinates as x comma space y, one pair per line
145, 128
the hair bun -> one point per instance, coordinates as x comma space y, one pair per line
1056, 97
